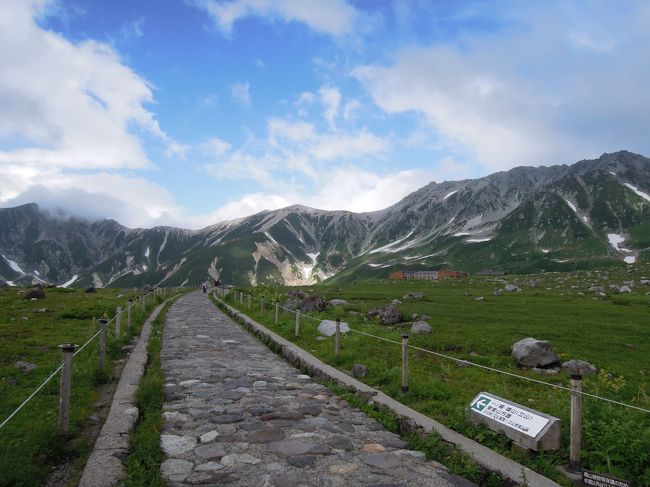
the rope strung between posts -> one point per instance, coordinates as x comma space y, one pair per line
485, 367
53, 374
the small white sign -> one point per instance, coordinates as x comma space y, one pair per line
508, 414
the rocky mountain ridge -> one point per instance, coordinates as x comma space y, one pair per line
591, 213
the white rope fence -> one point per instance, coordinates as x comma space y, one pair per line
473, 364
53, 374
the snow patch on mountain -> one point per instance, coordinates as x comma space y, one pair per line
13, 265
70, 282
476, 240
643, 195
389, 248
450, 194
146, 253
615, 240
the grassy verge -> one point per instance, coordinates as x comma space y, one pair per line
145, 454
30, 331
610, 333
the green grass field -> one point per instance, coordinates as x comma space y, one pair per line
30, 331
611, 333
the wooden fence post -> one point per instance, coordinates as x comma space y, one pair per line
241, 298
576, 424
277, 311
103, 323
297, 332
261, 307
337, 341
118, 321
66, 385
249, 301
405, 363
128, 313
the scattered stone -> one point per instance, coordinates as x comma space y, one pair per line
624, 289
259, 383
510, 288
410, 453
343, 468
209, 467
480, 298
383, 461
287, 415
34, 293
388, 314
313, 304
43, 310
176, 470
26, 366
420, 327
302, 461
374, 448
239, 458
175, 445
290, 448
581, 367
531, 352
229, 418
414, 295
359, 371
209, 436
328, 328
546, 370
174, 417
211, 451
340, 442
338, 302
266, 435
188, 383
497, 292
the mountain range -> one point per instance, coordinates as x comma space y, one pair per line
593, 213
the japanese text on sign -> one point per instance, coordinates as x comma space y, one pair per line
601, 480
509, 415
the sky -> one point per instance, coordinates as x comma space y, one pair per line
191, 112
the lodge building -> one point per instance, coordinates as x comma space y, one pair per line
427, 275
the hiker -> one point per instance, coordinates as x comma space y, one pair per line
205, 288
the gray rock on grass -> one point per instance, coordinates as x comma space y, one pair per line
328, 327
421, 327
531, 352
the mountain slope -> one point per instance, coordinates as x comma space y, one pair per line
594, 212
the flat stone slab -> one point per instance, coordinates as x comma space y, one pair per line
239, 415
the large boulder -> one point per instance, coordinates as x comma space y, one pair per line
420, 327
313, 304
531, 352
3, 283
328, 328
338, 302
34, 293
388, 314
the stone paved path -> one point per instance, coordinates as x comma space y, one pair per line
237, 414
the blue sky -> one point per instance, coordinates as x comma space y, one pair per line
189, 112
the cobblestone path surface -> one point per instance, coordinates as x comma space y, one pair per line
237, 414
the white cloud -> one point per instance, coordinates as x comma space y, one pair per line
557, 91
131, 201
330, 98
332, 17
240, 92
70, 105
